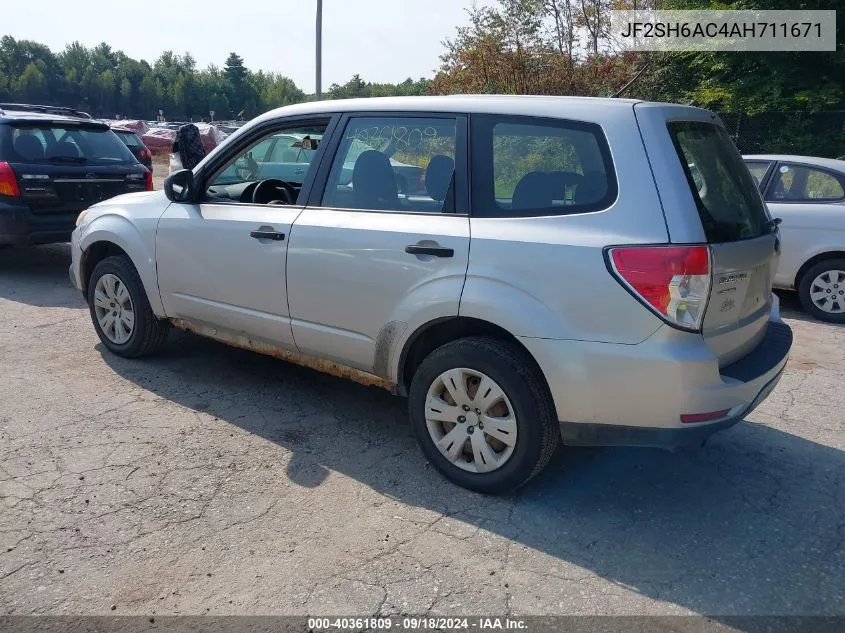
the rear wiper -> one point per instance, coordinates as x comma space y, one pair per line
79, 160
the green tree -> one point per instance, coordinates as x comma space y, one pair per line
752, 82
236, 74
32, 85
149, 99
126, 96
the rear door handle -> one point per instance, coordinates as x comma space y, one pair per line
267, 235
437, 251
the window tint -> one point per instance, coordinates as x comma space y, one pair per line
394, 164
729, 204
131, 140
797, 182
275, 156
758, 171
525, 167
72, 144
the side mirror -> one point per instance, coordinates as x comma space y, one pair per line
179, 186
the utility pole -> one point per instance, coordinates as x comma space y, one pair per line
319, 49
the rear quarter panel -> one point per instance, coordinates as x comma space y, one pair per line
545, 277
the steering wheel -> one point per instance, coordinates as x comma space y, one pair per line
273, 191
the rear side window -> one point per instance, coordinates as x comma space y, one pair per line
799, 183
131, 140
729, 204
402, 164
524, 166
73, 144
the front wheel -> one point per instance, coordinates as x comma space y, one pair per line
121, 312
822, 290
482, 414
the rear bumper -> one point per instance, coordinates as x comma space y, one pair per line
689, 435
19, 226
634, 395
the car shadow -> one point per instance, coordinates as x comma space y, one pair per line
752, 524
38, 276
790, 308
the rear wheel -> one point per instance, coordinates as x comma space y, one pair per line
120, 310
482, 414
822, 290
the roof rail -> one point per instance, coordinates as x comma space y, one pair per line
45, 109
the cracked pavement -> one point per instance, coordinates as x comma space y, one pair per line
213, 480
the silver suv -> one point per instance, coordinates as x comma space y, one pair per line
524, 269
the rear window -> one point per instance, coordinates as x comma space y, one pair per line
71, 144
131, 139
725, 193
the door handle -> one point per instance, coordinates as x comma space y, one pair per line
437, 251
267, 235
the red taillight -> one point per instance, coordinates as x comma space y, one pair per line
146, 154
149, 180
689, 418
674, 281
8, 181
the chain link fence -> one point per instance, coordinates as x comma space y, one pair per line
801, 133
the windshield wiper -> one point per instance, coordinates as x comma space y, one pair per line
79, 160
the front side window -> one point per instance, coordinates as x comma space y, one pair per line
531, 167
394, 164
799, 183
276, 156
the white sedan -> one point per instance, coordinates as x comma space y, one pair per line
808, 195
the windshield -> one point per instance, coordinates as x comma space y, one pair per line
72, 144
726, 195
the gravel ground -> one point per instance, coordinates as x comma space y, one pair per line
210, 479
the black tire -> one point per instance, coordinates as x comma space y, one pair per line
804, 290
149, 333
519, 377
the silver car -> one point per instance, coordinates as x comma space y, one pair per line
559, 273
808, 195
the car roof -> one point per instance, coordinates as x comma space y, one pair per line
530, 105
12, 116
830, 163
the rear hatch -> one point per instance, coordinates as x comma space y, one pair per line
709, 197
66, 166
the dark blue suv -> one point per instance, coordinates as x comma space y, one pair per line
55, 165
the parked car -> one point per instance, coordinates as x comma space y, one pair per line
45, 109
54, 166
808, 195
586, 289
136, 146
282, 156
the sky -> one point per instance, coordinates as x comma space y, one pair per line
381, 40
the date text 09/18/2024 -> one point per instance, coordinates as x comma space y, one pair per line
422, 623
